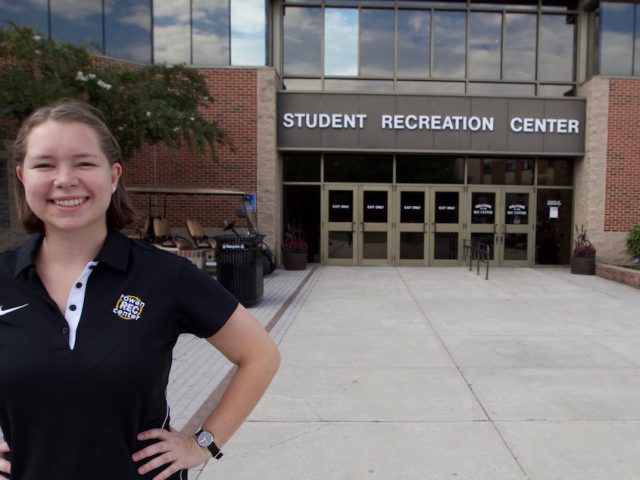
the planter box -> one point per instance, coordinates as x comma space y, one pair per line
583, 265
627, 276
294, 260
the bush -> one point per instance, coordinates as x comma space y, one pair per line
633, 242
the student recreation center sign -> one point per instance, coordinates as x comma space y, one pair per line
412, 123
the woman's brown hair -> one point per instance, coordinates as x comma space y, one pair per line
120, 211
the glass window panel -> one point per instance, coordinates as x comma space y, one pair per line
484, 45
515, 246
340, 244
556, 172
374, 245
425, 169
302, 213
128, 30
559, 5
412, 207
556, 91
636, 61
248, 32
499, 171
358, 168
449, 44
616, 38
431, 87
376, 42
210, 32
27, 14
500, 5
447, 207
301, 168
553, 226
171, 31
483, 207
358, 85
556, 47
375, 206
519, 61
302, 84
516, 209
340, 205
411, 245
485, 239
414, 28
520, 89
341, 41
77, 21
302, 41
445, 246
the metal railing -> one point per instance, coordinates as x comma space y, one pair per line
480, 252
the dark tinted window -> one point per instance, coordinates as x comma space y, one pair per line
127, 26
616, 38
447, 207
424, 169
358, 168
376, 42
302, 41
341, 205
555, 172
553, 226
500, 171
77, 21
411, 207
301, 168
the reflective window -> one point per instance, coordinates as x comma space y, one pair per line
358, 85
411, 246
302, 84
636, 62
556, 90
341, 41
500, 171
556, 48
302, 41
413, 43
376, 42
445, 246
171, 31
248, 32
484, 45
301, 167
374, 245
521, 89
127, 26
210, 33
449, 44
431, 87
616, 38
28, 14
358, 168
77, 21
425, 169
519, 61
557, 172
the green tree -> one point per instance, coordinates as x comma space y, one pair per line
142, 104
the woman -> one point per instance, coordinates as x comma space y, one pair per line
88, 320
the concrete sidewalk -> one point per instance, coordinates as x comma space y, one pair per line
435, 373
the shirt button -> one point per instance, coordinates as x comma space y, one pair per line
72, 308
65, 330
79, 285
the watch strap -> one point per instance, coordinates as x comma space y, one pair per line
216, 453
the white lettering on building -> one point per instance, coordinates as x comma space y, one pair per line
544, 125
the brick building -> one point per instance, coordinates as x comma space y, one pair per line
391, 132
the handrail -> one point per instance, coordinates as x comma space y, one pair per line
479, 252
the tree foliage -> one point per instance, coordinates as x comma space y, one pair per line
142, 104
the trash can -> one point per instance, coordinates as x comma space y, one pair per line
239, 266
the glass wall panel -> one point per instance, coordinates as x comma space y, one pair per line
341, 41
516, 208
499, 171
430, 87
485, 45
424, 169
556, 90
302, 84
302, 41
248, 32
359, 85
414, 28
77, 21
303, 167
553, 226
374, 245
522, 89
445, 246
375, 208
557, 47
519, 61
447, 207
636, 61
376, 42
210, 32
358, 168
341, 205
340, 244
449, 44
411, 246
127, 26
171, 31
556, 172
411, 207
31, 14
484, 238
302, 213
616, 38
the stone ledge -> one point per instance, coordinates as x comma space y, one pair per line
619, 274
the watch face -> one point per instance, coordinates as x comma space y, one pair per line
205, 439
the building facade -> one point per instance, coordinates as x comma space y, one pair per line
391, 132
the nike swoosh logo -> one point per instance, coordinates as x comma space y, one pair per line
9, 310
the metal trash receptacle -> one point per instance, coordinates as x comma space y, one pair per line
239, 266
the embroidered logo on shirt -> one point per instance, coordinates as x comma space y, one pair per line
129, 307
9, 310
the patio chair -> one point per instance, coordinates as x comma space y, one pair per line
198, 236
163, 237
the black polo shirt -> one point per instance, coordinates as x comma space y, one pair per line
74, 413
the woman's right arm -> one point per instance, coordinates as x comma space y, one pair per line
5, 465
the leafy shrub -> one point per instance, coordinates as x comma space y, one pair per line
633, 243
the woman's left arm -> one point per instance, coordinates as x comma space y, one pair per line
246, 344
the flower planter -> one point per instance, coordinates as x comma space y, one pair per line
295, 260
583, 265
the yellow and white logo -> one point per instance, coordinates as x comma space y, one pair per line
129, 307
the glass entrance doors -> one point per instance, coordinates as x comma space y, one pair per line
501, 217
357, 225
429, 225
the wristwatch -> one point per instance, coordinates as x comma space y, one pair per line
205, 439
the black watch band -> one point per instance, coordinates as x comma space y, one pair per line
205, 439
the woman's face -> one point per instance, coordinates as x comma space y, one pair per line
67, 179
